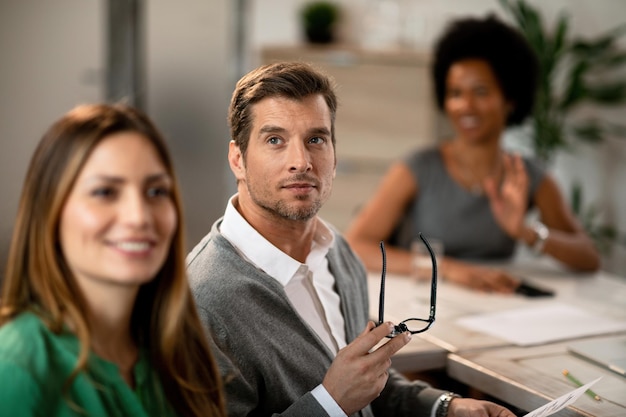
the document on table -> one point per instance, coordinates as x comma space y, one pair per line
542, 323
561, 402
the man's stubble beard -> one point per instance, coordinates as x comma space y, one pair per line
282, 210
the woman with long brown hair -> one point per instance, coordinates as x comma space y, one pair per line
96, 317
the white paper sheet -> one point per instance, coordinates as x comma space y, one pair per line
561, 402
542, 323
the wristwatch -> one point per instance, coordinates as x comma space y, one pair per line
542, 233
444, 403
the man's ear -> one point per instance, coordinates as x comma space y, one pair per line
236, 162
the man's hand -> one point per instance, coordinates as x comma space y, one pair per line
357, 376
467, 407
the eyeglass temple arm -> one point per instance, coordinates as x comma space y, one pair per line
381, 300
433, 287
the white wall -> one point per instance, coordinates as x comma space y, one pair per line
53, 58
276, 21
190, 76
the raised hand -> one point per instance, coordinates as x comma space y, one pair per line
358, 375
509, 201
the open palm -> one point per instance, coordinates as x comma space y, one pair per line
509, 201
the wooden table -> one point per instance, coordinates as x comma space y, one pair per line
526, 377
406, 298
599, 293
529, 377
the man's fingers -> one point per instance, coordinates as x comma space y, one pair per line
370, 337
380, 359
395, 344
368, 328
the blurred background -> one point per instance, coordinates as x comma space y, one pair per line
179, 61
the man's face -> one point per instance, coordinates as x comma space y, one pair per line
290, 161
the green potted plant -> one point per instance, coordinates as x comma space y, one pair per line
318, 20
573, 71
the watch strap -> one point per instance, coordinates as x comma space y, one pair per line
444, 403
542, 233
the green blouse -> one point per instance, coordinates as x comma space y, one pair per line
35, 363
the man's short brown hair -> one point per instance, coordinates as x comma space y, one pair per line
292, 80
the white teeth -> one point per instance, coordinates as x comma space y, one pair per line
468, 121
133, 246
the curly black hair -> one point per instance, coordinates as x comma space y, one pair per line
508, 53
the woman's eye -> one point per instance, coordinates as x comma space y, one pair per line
104, 192
159, 192
452, 93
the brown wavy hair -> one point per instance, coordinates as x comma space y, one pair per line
38, 278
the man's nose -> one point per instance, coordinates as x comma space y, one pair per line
299, 158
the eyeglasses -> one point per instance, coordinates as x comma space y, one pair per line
402, 326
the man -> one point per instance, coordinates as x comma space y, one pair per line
281, 293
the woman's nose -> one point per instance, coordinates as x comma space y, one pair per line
465, 102
135, 210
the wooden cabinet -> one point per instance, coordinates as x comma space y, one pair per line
386, 109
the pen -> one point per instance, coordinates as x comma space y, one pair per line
580, 384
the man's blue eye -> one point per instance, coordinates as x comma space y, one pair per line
317, 139
274, 140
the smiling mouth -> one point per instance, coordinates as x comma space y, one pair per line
468, 122
133, 247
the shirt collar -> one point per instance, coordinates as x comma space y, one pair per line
265, 256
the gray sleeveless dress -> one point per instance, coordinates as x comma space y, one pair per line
445, 210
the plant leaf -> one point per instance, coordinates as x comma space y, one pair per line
613, 93
571, 72
615, 59
560, 42
590, 131
575, 90
594, 130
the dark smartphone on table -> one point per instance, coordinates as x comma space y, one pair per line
531, 290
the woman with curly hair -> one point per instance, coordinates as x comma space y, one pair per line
96, 316
468, 192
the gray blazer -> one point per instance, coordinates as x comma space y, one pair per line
270, 358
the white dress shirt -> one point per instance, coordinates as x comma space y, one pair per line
310, 286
